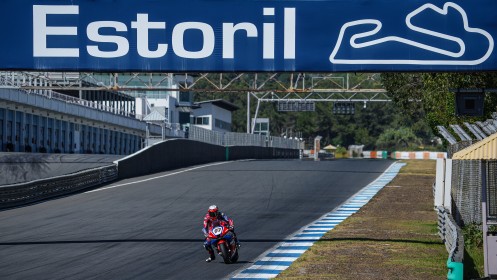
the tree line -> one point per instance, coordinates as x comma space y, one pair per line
419, 102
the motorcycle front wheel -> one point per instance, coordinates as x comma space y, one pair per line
225, 253
234, 258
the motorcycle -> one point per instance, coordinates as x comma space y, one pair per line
225, 242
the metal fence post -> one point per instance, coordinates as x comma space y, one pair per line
448, 185
439, 182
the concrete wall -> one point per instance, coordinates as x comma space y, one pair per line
168, 155
179, 153
252, 152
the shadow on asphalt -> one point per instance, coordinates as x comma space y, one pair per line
142, 241
202, 240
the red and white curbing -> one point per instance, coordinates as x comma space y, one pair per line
403, 155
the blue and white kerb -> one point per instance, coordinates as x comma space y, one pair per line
272, 263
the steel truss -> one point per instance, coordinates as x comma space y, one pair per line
264, 87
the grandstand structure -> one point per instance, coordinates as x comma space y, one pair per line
39, 112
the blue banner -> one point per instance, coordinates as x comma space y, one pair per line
244, 35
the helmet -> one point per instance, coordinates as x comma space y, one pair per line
213, 210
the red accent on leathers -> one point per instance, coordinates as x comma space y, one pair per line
208, 220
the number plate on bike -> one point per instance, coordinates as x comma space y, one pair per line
217, 230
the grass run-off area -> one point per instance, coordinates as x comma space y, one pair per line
394, 236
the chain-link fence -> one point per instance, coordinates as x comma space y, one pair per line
457, 147
492, 189
205, 135
243, 139
240, 139
467, 187
466, 191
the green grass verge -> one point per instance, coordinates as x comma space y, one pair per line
473, 252
473, 263
419, 167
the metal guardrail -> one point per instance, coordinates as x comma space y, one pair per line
29, 192
451, 235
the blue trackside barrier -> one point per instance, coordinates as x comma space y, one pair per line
456, 270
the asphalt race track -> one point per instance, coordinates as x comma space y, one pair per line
152, 229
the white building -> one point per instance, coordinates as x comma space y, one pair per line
214, 115
174, 107
176, 110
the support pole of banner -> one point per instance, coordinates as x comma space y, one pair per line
255, 118
248, 112
317, 147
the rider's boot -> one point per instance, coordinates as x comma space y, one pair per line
211, 253
212, 256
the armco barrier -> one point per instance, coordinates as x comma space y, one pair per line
453, 238
25, 193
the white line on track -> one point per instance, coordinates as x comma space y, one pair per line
162, 176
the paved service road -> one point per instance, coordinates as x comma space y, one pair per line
152, 229
23, 167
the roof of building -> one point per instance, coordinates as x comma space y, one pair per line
221, 103
330, 147
157, 114
485, 149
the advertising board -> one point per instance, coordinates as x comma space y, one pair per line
244, 35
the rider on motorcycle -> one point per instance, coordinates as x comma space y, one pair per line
214, 215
